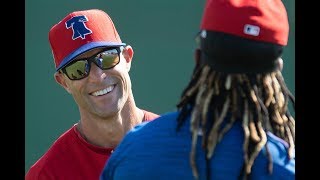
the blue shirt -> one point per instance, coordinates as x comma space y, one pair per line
155, 150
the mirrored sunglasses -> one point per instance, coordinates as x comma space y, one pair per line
105, 59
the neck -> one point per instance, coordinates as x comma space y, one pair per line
109, 131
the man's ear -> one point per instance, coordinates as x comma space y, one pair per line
197, 55
58, 76
128, 55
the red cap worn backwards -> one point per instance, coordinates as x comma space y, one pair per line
261, 20
81, 31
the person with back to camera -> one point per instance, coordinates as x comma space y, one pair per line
92, 64
233, 119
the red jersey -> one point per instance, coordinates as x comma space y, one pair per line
71, 157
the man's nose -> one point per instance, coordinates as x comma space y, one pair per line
96, 73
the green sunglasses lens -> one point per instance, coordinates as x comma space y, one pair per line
107, 59
77, 70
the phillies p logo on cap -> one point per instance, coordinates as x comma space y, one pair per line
78, 26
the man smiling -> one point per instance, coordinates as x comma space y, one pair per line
92, 64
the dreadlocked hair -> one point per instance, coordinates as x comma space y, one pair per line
260, 101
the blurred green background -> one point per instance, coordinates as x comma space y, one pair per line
162, 36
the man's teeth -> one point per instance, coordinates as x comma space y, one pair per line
104, 91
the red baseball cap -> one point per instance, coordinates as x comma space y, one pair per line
261, 20
81, 31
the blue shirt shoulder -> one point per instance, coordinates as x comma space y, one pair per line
156, 150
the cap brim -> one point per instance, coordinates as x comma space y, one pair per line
86, 48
